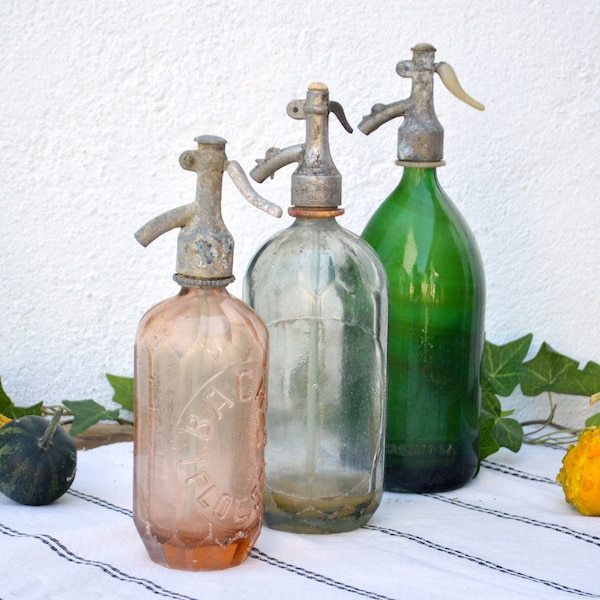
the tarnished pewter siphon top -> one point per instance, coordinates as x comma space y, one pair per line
421, 136
316, 183
204, 245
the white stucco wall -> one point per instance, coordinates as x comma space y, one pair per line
99, 98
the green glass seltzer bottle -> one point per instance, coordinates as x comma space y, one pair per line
437, 298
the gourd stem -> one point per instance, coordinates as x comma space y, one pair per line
46, 440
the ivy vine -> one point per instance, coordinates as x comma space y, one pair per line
504, 369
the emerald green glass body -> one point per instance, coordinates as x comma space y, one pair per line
437, 304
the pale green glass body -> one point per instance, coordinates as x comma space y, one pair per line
437, 302
322, 293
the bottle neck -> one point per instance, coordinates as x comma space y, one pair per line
322, 222
416, 177
420, 186
203, 283
203, 291
314, 213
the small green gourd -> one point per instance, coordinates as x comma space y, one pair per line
38, 460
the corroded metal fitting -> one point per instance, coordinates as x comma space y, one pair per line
316, 183
205, 245
421, 136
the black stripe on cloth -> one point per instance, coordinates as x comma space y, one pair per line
258, 555
479, 561
100, 502
494, 466
63, 552
584, 537
255, 553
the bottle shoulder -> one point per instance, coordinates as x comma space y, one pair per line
421, 220
310, 274
296, 247
211, 312
407, 203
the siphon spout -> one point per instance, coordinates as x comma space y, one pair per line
274, 160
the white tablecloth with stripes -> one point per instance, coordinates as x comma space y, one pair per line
508, 534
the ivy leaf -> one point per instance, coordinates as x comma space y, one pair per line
548, 371
502, 364
5, 401
495, 430
490, 411
8, 408
487, 444
490, 405
593, 421
87, 413
508, 433
585, 382
123, 387
14, 412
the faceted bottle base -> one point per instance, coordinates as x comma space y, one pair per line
318, 515
189, 556
415, 474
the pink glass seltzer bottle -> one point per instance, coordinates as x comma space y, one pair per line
200, 389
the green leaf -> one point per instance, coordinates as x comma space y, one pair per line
490, 405
593, 421
548, 371
87, 413
14, 412
495, 430
487, 444
585, 382
123, 387
502, 364
508, 433
5, 401
8, 408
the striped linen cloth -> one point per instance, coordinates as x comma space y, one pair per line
507, 534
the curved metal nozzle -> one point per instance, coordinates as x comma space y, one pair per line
382, 113
176, 217
274, 160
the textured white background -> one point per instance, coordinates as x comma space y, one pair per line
99, 98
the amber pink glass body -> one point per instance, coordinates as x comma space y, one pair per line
200, 403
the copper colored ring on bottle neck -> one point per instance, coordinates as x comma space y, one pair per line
315, 213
